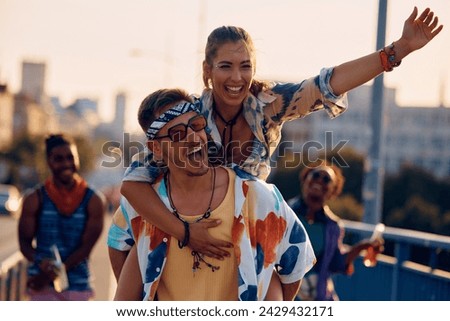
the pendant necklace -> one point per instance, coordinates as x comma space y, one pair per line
230, 123
197, 257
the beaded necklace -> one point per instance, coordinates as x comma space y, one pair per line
197, 257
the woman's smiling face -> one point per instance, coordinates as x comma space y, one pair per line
231, 74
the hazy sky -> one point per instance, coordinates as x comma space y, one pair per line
95, 48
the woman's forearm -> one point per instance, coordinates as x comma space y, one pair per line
147, 203
355, 73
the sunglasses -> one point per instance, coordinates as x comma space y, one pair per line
178, 132
318, 174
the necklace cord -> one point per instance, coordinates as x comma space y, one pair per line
172, 205
197, 257
230, 123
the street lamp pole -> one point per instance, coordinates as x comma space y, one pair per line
374, 167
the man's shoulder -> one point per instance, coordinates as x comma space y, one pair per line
331, 215
90, 190
32, 197
257, 184
260, 189
35, 190
294, 201
96, 194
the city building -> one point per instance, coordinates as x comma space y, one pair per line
33, 112
115, 129
7, 117
33, 80
412, 134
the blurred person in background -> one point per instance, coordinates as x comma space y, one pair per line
64, 215
320, 182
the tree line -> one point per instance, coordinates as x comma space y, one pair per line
412, 198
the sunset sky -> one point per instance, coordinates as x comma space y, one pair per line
94, 49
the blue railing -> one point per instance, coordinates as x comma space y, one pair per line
13, 276
397, 278
394, 278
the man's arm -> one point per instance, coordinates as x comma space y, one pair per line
290, 290
28, 225
275, 290
117, 259
130, 287
120, 241
278, 291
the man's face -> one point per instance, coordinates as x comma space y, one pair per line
319, 184
63, 162
183, 144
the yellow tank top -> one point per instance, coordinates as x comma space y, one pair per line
180, 283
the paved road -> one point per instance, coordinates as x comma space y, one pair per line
103, 278
104, 281
8, 236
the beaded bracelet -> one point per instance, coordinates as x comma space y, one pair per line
388, 59
186, 235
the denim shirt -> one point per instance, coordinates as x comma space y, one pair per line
265, 114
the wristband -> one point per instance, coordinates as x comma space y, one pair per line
388, 58
186, 235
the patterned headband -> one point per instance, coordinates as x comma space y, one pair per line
167, 116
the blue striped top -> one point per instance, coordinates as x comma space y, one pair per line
65, 232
